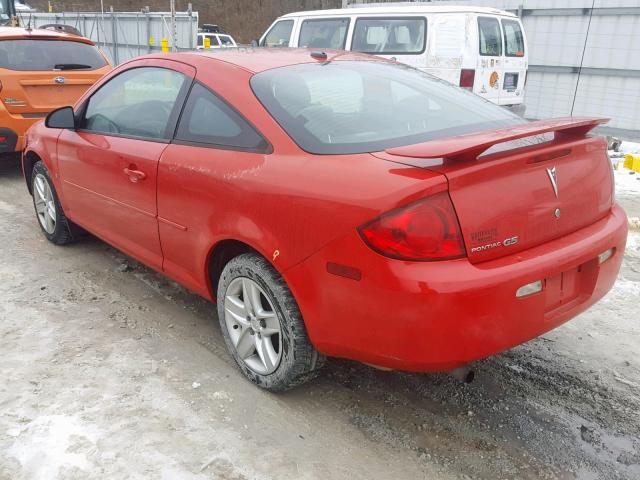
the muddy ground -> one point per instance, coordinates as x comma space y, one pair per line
108, 370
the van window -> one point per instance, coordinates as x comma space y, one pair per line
324, 33
513, 39
490, 36
390, 35
279, 34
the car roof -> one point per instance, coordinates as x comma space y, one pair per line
402, 10
259, 59
16, 33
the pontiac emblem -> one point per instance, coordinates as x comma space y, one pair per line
554, 179
59, 80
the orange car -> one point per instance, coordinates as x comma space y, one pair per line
41, 70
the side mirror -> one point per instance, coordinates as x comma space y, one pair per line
61, 118
254, 43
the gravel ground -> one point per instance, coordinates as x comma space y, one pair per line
111, 371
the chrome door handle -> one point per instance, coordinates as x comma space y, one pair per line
134, 175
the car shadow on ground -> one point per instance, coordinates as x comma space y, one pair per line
10, 166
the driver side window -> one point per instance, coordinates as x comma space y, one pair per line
136, 103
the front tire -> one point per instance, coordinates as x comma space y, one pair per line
262, 325
49, 213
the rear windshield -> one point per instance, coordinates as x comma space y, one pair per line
357, 106
38, 55
390, 35
513, 39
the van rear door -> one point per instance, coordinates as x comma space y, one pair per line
489, 68
515, 62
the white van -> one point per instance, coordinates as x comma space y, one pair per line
482, 49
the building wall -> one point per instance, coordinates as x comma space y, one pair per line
244, 19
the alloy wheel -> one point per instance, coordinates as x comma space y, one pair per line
45, 204
253, 325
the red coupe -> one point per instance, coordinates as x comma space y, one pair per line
335, 204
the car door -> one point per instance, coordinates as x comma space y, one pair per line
214, 153
109, 164
489, 68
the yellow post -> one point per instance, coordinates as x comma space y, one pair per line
635, 165
165, 45
152, 40
207, 42
628, 160
50, 7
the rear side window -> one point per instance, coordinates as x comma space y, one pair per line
38, 55
209, 121
390, 35
490, 36
279, 34
513, 39
324, 33
138, 103
225, 40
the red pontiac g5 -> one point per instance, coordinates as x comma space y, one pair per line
335, 204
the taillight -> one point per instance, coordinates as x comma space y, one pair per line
426, 230
467, 77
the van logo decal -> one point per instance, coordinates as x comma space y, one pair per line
554, 179
59, 80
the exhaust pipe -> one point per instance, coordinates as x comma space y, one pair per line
464, 374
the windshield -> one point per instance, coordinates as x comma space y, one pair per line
367, 106
38, 55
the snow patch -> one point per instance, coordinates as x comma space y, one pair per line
52, 442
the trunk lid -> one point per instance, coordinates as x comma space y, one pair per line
511, 200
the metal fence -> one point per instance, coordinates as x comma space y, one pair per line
124, 35
584, 57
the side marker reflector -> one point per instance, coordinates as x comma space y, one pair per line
344, 271
529, 289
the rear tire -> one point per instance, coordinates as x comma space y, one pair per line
265, 335
51, 217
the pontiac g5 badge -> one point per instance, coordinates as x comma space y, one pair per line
553, 177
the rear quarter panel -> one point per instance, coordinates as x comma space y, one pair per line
286, 204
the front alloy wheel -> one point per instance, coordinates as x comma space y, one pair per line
44, 203
51, 218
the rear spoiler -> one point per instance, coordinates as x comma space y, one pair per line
471, 145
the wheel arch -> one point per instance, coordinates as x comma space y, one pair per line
29, 159
220, 254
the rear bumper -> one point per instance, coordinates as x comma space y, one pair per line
437, 316
17, 125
